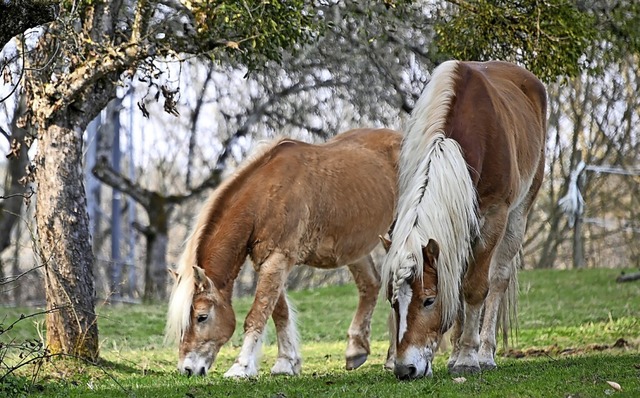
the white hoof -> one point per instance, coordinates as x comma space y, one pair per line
486, 357
287, 367
241, 371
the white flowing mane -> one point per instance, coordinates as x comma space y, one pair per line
181, 298
437, 199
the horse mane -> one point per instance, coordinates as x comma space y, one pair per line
437, 199
181, 298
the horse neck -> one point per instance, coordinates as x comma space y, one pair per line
222, 252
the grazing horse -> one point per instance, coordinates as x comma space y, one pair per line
471, 164
293, 203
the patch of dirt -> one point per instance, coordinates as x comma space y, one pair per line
556, 350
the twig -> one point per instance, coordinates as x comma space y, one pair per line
23, 317
10, 279
26, 195
13, 90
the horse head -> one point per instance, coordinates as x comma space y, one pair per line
417, 313
210, 325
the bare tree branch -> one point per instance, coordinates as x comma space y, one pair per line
105, 173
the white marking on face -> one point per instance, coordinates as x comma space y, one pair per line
194, 361
195, 364
404, 298
420, 357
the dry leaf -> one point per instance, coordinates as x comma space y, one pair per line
233, 44
614, 385
459, 380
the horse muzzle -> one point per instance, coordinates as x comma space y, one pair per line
193, 365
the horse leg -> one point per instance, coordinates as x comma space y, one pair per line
393, 341
368, 282
503, 270
455, 337
475, 288
289, 361
271, 280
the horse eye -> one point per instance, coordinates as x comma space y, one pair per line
428, 302
202, 318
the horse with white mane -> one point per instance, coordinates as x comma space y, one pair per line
293, 203
471, 164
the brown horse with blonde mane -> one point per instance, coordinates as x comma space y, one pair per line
293, 203
471, 164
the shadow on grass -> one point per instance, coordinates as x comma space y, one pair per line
577, 376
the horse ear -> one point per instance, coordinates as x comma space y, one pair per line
430, 252
386, 243
202, 281
204, 284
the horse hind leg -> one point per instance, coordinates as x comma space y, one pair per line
367, 280
271, 281
289, 361
502, 287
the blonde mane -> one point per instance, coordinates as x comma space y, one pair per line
437, 199
181, 298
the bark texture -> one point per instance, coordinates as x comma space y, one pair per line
63, 230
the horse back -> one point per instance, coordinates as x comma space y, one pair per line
498, 118
325, 204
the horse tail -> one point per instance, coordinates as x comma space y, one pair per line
508, 310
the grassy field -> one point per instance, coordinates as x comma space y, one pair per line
577, 331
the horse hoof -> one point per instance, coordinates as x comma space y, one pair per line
488, 365
284, 367
356, 361
389, 365
240, 372
464, 369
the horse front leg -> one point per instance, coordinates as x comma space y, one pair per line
390, 363
456, 333
289, 361
475, 288
272, 277
368, 282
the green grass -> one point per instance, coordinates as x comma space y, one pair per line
569, 322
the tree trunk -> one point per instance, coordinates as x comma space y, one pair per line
64, 244
15, 193
116, 203
15, 265
14, 189
155, 285
94, 191
132, 278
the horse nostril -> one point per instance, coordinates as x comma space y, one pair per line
202, 372
188, 371
405, 372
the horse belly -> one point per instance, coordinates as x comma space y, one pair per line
332, 252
